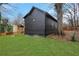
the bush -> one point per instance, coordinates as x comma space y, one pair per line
2, 28
9, 28
73, 38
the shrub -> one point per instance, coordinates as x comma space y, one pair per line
2, 28
73, 38
9, 28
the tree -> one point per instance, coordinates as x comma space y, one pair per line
0, 17
5, 23
58, 7
3, 19
71, 10
19, 20
0, 10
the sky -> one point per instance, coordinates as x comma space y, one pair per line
13, 10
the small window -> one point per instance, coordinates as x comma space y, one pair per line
33, 20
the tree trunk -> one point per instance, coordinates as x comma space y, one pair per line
59, 18
74, 16
0, 16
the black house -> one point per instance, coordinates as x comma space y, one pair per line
39, 22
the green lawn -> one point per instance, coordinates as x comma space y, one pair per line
35, 46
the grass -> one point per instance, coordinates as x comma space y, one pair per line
24, 45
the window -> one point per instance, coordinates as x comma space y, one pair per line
33, 20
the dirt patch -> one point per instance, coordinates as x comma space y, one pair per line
6, 33
2, 33
67, 36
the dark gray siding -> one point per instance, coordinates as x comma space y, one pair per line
51, 26
35, 23
39, 23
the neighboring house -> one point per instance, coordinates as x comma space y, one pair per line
18, 28
38, 22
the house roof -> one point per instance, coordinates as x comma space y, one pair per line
47, 14
20, 25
